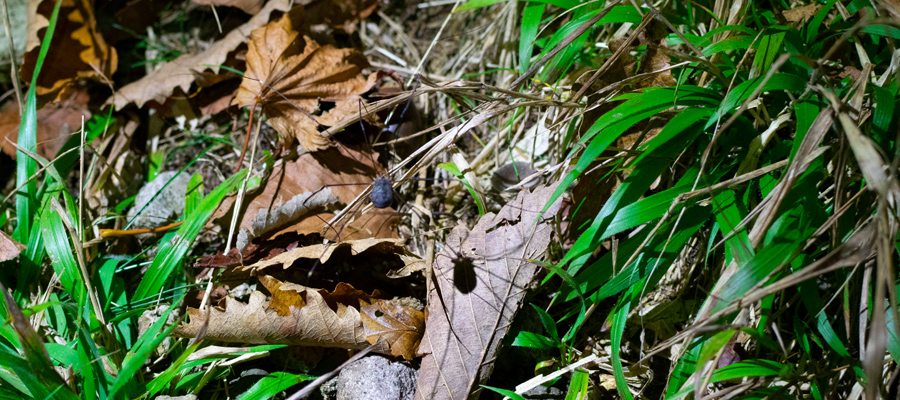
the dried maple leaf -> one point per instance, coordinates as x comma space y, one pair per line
289, 76
78, 49
180, 73
480, 280
55, 123
346, 318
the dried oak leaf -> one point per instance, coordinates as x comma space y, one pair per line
289, 76
9, 248
323, 253
248, 6
349, 171
55, 124
479, 282
297, 315
78, 51
181, 72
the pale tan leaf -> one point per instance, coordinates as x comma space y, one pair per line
290, 86
9, 248
798, 14
298, 315
480, 280
323, 253
180, 72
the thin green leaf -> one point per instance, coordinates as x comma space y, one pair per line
171, 252
548, 322
620, 318
453, 169
272, 384
531, 22
42, 380
578, 386
58, 246
779, 81
767, 51
142, 350
26, 167
506, 392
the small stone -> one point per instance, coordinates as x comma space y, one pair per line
167, 205
377, 378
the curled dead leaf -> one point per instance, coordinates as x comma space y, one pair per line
289, 77
349, 171
79, 50
297, 315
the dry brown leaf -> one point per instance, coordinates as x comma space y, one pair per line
798, 14
655, 57
9, 248
248, 6
350, 170
55, 123
480, 281
180, 72
323, 253
289, 86
297, 315
78, 50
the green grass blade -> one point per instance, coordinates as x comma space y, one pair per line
637, 108
26, 167
142, 350
172, 252
767, 51
620, 318
531, 22
578, 386
453, 169
660, 150
46, 383
56, 240
272, 384
779, 81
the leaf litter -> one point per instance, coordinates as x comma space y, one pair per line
302, 101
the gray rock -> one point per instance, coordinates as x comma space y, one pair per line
167, 205
377, 378
544, 392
